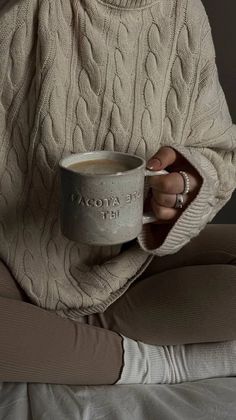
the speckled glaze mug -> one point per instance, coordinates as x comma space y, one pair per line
103, 208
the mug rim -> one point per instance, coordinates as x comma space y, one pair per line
72, 158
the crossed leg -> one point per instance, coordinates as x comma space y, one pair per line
173, 302
187, 297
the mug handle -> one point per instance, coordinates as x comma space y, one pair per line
149, 217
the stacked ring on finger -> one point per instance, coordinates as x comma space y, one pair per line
179, 197
179, 201
186, 182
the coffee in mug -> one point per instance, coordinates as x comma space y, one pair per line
102, 197
100, 166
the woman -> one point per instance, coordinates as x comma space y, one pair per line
137, 76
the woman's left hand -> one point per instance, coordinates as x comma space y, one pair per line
165, 187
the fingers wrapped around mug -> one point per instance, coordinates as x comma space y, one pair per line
164, 190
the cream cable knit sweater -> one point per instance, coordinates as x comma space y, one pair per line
82, 75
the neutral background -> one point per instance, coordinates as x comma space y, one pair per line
222, 14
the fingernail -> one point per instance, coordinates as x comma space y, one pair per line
154, 164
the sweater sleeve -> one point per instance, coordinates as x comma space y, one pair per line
210, 148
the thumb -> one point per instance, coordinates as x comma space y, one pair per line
166, 156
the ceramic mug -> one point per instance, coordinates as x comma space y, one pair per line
104, 208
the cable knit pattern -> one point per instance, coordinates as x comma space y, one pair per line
82, 75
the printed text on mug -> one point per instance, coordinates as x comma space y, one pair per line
112, 202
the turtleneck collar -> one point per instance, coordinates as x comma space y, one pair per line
129, 4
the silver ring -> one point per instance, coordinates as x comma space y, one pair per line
179, 201
186, 182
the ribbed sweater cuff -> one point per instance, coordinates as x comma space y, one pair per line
196, 215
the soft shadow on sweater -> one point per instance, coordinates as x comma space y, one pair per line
6, 5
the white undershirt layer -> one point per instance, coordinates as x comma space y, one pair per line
149, 364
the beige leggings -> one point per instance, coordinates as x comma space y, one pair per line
187, 297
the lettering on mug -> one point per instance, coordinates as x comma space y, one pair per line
133, 197
112, 201
94, 202
110, 214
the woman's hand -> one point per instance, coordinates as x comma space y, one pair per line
162, 194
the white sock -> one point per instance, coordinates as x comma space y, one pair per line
149, 364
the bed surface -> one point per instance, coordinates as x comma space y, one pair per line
206, 400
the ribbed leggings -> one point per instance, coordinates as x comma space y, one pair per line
187, 297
